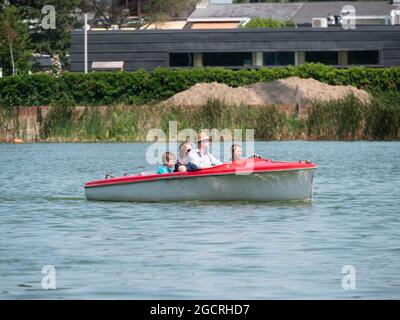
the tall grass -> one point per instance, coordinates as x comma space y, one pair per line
348, 119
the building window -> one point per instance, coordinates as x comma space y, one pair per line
363, 57
227, 59
325, 57
278, 58
181, 59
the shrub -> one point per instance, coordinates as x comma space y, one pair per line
140, 87
269, 23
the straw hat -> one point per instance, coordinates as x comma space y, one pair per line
202, 136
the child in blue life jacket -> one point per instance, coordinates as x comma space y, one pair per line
168, 160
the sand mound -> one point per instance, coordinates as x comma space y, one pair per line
296, 90
290, 92
201, 93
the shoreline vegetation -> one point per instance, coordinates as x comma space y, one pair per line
347, 119
122, 107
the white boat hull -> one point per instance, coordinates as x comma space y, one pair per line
262, 186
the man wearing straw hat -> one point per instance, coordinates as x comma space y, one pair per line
200, 157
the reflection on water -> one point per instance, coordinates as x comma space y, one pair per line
199, 250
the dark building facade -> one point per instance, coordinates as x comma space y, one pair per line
377, 46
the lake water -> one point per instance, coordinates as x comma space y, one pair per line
199, 250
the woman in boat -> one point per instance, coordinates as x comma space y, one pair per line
182, 161
200, 157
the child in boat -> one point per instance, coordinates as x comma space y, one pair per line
236, 152
182, 161
168, 160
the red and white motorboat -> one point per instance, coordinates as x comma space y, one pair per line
252, 179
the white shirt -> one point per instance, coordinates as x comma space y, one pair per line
196, 160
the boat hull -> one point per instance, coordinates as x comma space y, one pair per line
260, 186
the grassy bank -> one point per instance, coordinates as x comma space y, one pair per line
351, 120
125, 106
342, 120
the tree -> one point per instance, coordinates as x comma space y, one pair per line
56, 41
112, 13
118, 12
164, 10
14, 41
51, 41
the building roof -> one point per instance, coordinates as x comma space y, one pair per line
300, 12
311, 10
215, 25
279, 11
166, 25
